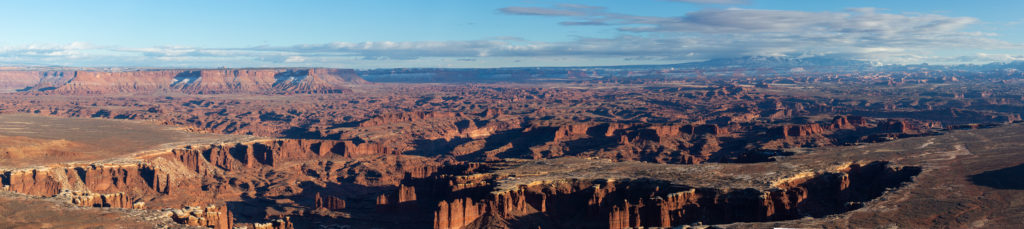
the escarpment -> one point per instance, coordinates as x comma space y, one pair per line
207, 81
132, 179
267, 153
286, 183
655, 142
473, 201
17, 80
330, 202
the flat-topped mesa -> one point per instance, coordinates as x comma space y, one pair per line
804, 130
897, 126
14, 80
639, 203
211, 81
848, 122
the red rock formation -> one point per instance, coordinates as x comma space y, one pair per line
17, 80
568, 132
210, 216
457, 213
668, 131
248, 155
391, 118
404, 194
94, 178
31, 182
805, 130
330, 203
353, 149
113, 200
790, 135
285, 223
613, 127
895, 126
645, 203
847, 122
129, 178
711, 129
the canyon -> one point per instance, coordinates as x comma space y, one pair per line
325, 148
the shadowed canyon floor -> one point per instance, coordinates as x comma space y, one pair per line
322, 148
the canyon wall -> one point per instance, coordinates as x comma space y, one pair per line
652, 203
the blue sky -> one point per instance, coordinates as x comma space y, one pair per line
496, 33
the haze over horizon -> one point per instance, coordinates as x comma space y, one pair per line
408, 33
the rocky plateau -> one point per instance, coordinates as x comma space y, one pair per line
324, 148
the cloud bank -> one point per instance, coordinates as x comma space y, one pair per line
862, 33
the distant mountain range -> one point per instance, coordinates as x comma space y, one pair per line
190, 81
779, 61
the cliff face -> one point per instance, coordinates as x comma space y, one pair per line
210, 216
131, 178
649, 203
445, 196
848, 122
113, 200
329, 203
269, 153
218, 81
17, 80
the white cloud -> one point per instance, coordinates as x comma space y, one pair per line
714, 1
861, 32
540, 11
295, 59
864, 33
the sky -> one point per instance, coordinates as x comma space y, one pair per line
366, 34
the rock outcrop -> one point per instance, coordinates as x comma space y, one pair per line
798, 131
210, 216
848, 122
113, 200
457, 213
895, 126
285, 223
329, 203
